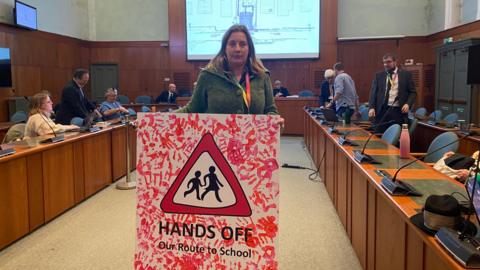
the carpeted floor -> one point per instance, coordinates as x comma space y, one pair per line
100, 232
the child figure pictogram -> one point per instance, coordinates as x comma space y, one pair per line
196, 184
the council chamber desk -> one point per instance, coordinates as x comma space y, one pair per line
41, 181
290, 108
425, 133
378, 224
159, 107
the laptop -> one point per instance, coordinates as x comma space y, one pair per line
330, 115
87, 123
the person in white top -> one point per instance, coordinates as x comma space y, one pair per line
39, 122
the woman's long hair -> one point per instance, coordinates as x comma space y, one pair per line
36, 102
221, 61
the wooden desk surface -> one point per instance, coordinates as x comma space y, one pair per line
377, 223
158, 106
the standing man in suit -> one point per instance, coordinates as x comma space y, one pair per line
74, 103
169, 96
394, 90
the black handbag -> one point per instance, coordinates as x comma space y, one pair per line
459, 161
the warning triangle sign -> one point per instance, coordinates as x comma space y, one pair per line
206, 185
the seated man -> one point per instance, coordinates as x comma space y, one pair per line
169, 96
111, 108
279, 90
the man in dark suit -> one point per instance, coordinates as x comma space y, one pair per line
74, 103
279, 90
169, 96
394, 90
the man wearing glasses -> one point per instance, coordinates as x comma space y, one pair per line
74, 103
393, 92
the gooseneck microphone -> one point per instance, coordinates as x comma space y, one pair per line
342, 140
56, 138
360, 156
397, 187
332, 129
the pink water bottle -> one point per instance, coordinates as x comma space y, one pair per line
404, 142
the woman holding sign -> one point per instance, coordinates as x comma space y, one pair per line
235, 81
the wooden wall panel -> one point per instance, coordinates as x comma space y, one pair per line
362, 66
119, 153
330, 167
13, 201
359, 215
389, 229
432, 262
342, 190
40, 61
28, 80
143, 66
415, 247
58, 180
97, 162
35, 191
79, 177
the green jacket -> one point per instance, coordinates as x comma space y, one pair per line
218, 92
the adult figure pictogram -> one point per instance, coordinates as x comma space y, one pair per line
213, 183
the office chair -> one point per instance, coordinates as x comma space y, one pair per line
421, 113
364, 114
145, 109
451, 118
15, 132
412, 126
19, 117
123, 99
436, 115
132, 112
77, 121
439, 141
392, 134
305, 93
144, 100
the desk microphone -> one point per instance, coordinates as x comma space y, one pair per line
332, 130
57, 138
399, 188
342, 140
6, 151
360, 156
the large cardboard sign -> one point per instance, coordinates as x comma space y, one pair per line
207, 191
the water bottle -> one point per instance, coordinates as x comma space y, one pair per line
404, 142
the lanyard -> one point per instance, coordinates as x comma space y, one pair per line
246, 91
391, 80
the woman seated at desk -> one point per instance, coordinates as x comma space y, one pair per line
111, 108
39, 122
